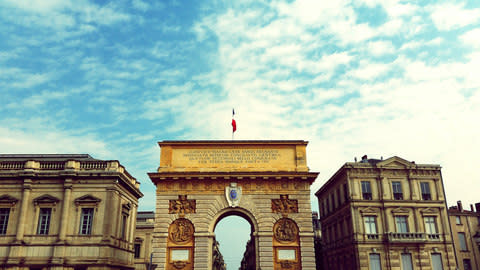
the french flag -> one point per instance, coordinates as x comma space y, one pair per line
234, 124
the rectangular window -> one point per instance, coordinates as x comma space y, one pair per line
397, 190
401, 222
44, 221
425, 187
458, 220
370, 225
4, 214
375, 262
407, 261
345, 192
462, 241
430, 225
136, 248
86, 221
124, 226
467, 265
339, 199
437, 261
366, 190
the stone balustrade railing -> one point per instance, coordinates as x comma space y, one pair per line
110, 166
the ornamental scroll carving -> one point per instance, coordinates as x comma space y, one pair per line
182, 206
285, 230
284, 205
181, 231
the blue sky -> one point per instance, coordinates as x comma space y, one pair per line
111, 78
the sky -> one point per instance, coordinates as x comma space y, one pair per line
112, 78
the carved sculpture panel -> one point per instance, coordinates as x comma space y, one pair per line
285, 230
284, 205
181, 231
182, 206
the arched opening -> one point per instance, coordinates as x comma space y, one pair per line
234, 240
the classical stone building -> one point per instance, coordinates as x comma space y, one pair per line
465, 226
144, 240
385, 214
66, 212
200, 182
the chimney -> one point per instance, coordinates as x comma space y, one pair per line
471, 208
477, 207
459, 204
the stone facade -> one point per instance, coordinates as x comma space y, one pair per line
465, 226
66, 212
265, 182
144, 240
385, 214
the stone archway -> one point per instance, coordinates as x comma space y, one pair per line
252, 258
202, 181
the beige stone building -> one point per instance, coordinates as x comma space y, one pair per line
465, 226
385, 214
66, 212
144, 240
266, 182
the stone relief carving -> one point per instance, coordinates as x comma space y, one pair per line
181, 231
284, 205
182, 206
285, 230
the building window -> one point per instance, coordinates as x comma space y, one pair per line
370, 225
44, 220
86, 221
345, 192
4, 214
437, 261
397, 190
366, 190
467, 265
407, 261
430, 225
137, 250
462, 241
375, 262
124, 226
425, 187
339, 199
401, 223
458, 221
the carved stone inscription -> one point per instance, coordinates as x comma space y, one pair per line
226, 156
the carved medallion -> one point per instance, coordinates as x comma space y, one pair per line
181, 231
285, 230
284, 205
182, 205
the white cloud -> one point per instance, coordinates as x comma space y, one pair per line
380, 48
140, 5
471, 38
369, 71
449, 16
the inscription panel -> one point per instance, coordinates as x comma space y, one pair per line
263, 159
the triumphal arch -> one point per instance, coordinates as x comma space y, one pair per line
266, 182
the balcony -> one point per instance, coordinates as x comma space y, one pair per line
395, 237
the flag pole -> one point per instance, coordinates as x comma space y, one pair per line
234, 124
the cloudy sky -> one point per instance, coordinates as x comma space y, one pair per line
111, 78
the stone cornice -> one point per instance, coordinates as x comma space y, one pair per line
234, 176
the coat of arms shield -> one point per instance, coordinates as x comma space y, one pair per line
233, 194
